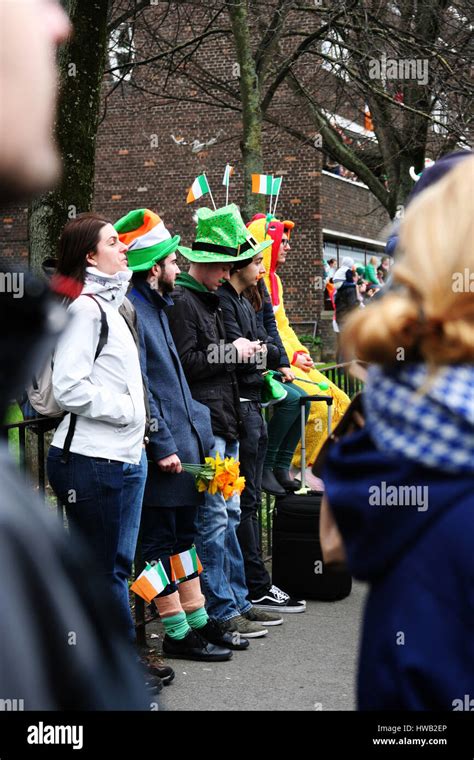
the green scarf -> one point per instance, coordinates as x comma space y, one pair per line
189, 282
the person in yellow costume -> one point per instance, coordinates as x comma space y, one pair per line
263, 227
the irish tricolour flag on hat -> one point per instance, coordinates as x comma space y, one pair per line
199, 187
185, 564
152, 581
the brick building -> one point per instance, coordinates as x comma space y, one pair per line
149, 149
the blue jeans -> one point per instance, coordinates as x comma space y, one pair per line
103, 502
223, 575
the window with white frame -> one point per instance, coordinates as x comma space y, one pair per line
440, 113
333, 48
360, 253
122, 52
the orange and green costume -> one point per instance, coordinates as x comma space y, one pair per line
262, 229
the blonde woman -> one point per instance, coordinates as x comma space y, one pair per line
402, 487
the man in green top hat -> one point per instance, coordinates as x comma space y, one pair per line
209, 361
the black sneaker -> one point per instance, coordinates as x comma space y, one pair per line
215, 632
194, 647
276, 600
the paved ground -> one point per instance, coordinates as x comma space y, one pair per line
308, 663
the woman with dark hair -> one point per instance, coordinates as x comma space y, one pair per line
97, 463
284, 427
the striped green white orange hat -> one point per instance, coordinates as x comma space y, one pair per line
147, 238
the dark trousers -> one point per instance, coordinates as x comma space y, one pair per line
253, 447
166, 531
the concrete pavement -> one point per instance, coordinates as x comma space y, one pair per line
308, 663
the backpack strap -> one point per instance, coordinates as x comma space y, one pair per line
103, 338
104, 326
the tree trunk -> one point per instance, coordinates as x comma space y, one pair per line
81, 67
251, 145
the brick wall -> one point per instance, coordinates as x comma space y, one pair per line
351, 209
139, 164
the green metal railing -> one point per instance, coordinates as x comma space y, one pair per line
16, 432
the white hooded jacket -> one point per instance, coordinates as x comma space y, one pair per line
106, 394
340, 275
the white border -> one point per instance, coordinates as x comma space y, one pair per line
355, 238
345, 179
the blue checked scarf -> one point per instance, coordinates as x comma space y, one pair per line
428, 420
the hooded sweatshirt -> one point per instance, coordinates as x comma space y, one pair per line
340, 276
106, 394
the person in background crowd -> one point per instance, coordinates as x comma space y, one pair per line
383, 270
180, 431
347, 299
329, 295
370, 290
371, 271
330, 269
340, 275
401, 487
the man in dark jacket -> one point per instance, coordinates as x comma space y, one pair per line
209, 364
180, 430
240, 321
346, 301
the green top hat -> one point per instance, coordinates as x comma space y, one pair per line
222, 237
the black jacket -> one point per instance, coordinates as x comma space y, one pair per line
197, 327
240, 321
267, 326
346, 301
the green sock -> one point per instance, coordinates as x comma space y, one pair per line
176, 626
197, 618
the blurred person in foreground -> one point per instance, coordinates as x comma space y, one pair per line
401, 488
60, 644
